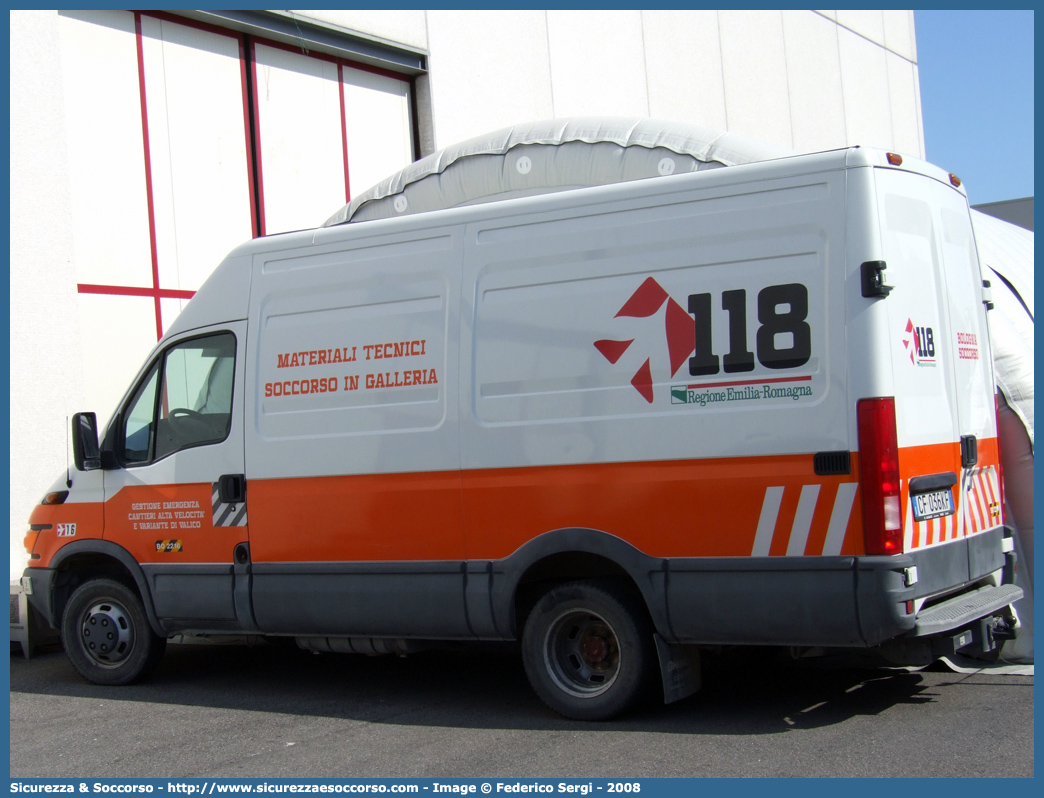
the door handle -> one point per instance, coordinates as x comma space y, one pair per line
969, 451
232, 488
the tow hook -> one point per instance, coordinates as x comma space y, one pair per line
994, 631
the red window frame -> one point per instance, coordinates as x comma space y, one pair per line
252, 131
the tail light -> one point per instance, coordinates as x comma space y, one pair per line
879, 476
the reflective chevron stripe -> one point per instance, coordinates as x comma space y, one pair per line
797, 540
225, 513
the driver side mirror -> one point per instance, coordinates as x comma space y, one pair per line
86, 452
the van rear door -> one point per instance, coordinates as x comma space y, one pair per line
940, 360
972, 366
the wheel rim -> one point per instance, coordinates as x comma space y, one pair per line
582, 653
107, 634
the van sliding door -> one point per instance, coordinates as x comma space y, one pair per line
352, 453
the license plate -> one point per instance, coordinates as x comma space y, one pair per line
934, 504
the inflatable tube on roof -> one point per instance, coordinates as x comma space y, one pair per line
552, 155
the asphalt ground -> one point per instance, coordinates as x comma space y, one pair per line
276, 711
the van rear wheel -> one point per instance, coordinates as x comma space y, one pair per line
106, 634
588, 650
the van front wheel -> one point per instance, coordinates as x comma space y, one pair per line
588, 650
106, 634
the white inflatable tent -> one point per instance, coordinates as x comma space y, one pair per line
1006, 258
563, 154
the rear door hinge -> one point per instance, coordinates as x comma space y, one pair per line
987, 295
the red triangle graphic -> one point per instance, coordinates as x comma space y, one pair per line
644, 302
681, 335
642, 381
612, 350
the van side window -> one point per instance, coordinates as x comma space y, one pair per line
185, 401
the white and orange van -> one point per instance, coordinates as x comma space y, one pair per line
749, 405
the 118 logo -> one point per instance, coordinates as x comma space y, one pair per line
919, 343
782, 311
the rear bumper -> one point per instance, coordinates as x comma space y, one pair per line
953, 572
843, 602
963, 609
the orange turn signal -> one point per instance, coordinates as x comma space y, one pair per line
955, 180
895, 159
56, 497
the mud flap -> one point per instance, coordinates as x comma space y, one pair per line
679, 669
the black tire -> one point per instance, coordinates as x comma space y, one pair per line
106, 634
588, 650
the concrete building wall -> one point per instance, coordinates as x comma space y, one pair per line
47, 380
810, 80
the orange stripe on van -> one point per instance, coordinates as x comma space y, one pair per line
690, 508
683, 508
371, 517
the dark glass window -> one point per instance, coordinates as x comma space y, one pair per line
185, 401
